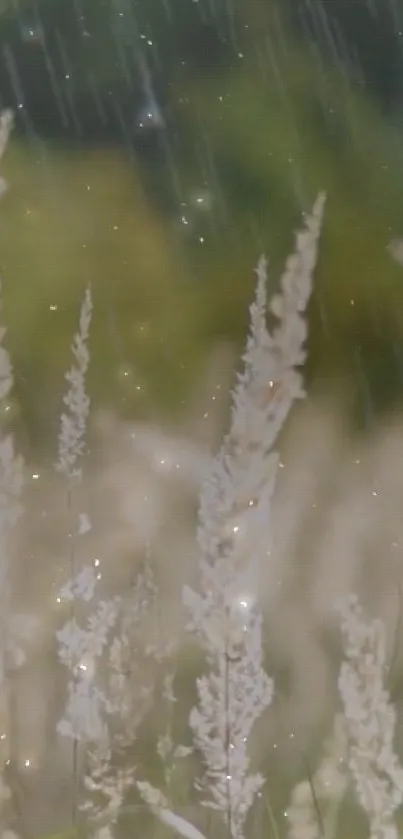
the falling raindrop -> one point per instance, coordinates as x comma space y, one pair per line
32, 33
150, 116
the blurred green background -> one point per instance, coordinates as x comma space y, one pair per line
160, 146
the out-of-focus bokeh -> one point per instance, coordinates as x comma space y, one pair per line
160, 146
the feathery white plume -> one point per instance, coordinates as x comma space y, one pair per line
234, 535
73, 423
370, 720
